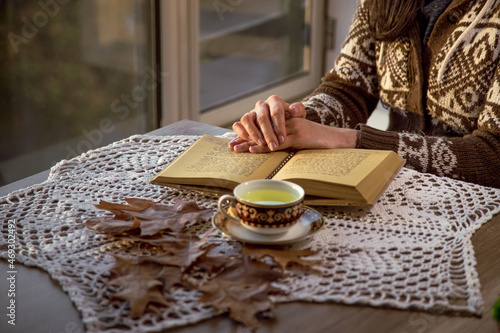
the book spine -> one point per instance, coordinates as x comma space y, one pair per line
281, 165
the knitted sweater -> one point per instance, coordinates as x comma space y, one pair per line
444, 100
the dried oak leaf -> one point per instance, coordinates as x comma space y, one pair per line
138, 284
147, 217
140, 293
282, 257
201, 255
167, 241
171, 276
168, 275
213, 262
243, 289
182, 252
114, 226
174, 218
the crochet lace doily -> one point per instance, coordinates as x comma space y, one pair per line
411, 250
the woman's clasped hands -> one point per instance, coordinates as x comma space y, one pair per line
275, 125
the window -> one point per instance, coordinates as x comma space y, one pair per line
231, 53
76, 75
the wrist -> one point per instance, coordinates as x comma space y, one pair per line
350, 137
343, 138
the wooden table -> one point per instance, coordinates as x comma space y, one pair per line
43, 307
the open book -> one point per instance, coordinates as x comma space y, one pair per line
328, 176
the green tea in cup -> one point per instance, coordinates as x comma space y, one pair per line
265, 206
269, 197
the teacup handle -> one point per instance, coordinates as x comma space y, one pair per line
232, 203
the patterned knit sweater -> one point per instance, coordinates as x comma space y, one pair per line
444, 100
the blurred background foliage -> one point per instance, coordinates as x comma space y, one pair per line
62, 65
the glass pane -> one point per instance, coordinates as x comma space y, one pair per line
246, 46
75, 75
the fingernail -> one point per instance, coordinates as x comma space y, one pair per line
281, 139
272, 145
261, 142
238, 147
295, 110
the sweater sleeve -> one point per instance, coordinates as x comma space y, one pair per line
473, 158
349, 92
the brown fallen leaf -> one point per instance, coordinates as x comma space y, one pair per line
171, 276
282, 257
168, 240
138, 284
133, 204
117, 226
213, 262
183, 253
126, 266
243, 289
148, 218
140, 293
159, 217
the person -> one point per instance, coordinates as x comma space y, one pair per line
434, 64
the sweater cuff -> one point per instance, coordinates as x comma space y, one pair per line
372, 138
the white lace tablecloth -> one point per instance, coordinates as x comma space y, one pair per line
412, 250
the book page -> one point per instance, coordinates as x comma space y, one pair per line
341, 166
210, 158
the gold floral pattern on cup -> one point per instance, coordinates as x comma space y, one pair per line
269, 217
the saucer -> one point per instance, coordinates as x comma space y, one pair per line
310, 222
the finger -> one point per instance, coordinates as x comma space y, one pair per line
236, 141
259, 149
248, 129
241, 131
244, 147
297, 110
277, 109
250, 123
264, 123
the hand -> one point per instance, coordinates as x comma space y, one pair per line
301, 134
265, 124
